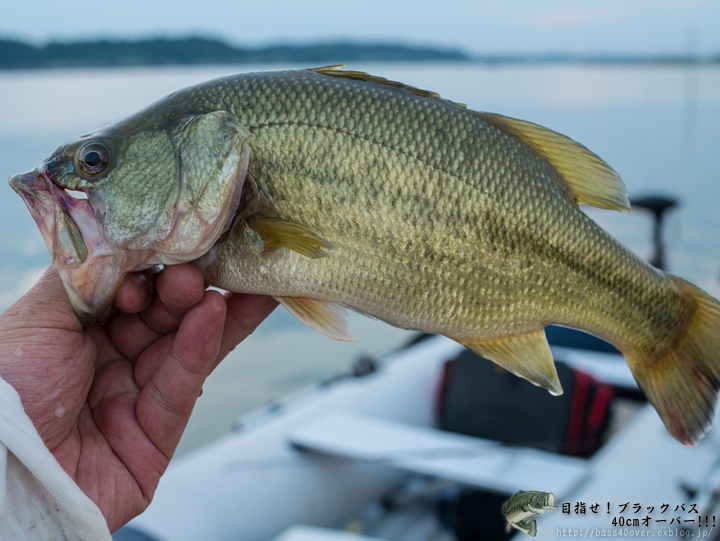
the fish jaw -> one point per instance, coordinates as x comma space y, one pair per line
91, 286
91, 269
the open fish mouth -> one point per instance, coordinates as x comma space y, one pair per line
64, 217
90, 269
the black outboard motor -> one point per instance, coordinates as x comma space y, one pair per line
658, 205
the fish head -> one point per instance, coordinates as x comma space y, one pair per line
547, 502
139, 193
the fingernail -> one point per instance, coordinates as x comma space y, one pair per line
139, 278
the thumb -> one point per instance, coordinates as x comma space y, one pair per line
45, 305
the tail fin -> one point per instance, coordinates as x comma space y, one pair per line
682, 385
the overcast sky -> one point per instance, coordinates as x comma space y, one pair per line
476, 26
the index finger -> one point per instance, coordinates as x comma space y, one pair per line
165, 403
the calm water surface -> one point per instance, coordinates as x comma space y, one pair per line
659, 127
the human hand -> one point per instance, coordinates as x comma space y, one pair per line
112, 401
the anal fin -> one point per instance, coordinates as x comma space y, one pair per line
278, 232
525, 355
328, 318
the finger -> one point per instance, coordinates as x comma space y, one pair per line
165, 403
178, 288
244, 314
150, 359
136, 292
130, 335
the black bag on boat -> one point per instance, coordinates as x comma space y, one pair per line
480, 399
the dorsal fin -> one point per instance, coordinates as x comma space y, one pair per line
591, 180
335, 71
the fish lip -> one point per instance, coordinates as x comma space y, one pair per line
35, 191
30, 187
22, 182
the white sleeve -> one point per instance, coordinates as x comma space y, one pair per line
38, 499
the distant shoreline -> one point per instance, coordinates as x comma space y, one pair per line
18, 55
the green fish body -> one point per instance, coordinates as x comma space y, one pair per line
329, 189
521, 510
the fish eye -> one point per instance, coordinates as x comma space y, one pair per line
93, 158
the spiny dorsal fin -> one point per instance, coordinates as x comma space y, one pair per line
335, 71
591, 180
328, 318
277, 233
525, 355
325, 69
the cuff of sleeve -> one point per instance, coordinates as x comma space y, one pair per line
51, 498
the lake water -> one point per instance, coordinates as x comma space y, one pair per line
659, 127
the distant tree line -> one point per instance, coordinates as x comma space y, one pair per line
164, 51
160, 51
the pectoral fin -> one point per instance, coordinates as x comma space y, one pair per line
525, 355
278, 232
328, 318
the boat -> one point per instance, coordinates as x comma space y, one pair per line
427, 443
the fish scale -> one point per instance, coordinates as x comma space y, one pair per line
345, 189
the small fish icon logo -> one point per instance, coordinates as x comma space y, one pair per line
520, 511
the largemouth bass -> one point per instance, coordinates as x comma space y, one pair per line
522, 509
329, 189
